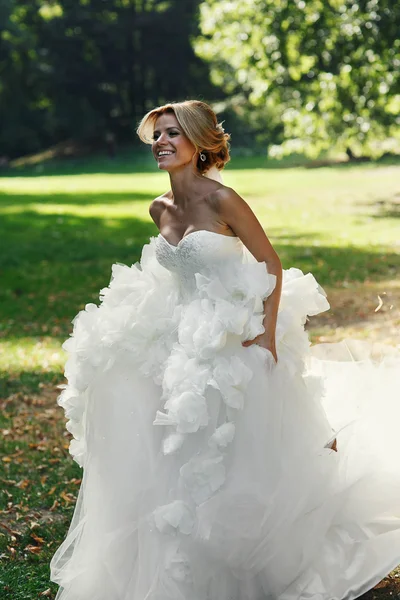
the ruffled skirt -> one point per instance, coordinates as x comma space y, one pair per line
208, 472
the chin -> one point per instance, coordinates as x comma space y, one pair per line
161, 167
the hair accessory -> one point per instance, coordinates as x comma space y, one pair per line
202, 156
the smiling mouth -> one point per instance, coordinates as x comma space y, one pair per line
164, 155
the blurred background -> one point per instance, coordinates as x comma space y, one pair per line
287, 76
310, 92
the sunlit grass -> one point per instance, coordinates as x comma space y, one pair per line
31, 353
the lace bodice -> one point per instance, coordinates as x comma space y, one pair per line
197, 252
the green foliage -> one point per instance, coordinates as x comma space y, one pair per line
311, 74
82, 68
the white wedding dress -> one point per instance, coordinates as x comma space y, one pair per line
207, 468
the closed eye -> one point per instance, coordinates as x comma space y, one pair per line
171, 133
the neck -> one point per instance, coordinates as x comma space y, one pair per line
184, 183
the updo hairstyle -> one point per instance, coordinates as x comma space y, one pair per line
200, 125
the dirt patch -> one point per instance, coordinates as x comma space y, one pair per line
369, 311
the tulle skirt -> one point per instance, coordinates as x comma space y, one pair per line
208, 472
294, 519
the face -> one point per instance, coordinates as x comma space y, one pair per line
169, 138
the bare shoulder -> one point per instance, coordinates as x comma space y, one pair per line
239, 216
156, 208
230, 202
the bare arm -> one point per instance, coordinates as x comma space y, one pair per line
236, 213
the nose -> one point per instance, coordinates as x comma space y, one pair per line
161, 137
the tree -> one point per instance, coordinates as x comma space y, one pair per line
314, 73
85, 68
23, 102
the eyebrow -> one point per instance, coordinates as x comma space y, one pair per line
168, 128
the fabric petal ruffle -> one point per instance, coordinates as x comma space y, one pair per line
210, 460
176, 342
130, 319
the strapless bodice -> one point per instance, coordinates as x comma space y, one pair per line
200, 251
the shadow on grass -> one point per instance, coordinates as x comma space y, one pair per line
138, 160
387, 206
51, 266
76, 199
133, 160
28, 381
386, 209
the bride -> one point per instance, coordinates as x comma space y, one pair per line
223, 457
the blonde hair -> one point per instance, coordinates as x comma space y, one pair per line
200, 125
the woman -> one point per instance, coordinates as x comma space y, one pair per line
205, 425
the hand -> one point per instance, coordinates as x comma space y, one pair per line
265, 340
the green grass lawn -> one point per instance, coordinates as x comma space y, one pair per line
62, 227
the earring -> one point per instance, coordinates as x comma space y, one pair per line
203, 156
